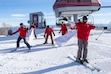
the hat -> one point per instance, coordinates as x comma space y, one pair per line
48, 26
84, 17
21, 23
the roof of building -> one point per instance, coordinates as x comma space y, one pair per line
70, 3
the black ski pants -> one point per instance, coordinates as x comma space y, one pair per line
18, 41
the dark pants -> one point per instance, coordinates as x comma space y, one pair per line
82, 47
18, 41
46, 38
35, 34
63, 34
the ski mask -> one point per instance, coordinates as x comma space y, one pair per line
85, 19
21, 25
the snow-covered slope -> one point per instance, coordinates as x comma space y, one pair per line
49, 59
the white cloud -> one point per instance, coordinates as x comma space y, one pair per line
48, 17
105, 0
48, 14
108, 14
97, 14
13, 19
101, 18
100, 14
102, 21
18, 15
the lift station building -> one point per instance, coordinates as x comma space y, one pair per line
38, 19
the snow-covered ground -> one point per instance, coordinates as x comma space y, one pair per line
49, 59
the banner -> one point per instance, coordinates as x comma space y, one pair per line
31, 37
65, 38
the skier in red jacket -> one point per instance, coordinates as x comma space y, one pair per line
83, 32
63, 29
48, 32
23, 32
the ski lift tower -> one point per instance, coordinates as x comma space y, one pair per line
75, 7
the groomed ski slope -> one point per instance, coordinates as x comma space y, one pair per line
49, 59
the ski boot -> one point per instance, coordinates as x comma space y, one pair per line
79, 60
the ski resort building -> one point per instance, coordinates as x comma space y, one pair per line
38, 19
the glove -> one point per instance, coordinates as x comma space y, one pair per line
44, 35
11, 34
53, 33
105, 28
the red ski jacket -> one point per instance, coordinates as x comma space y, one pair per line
83, 30
22, 31
63, 28
33, 26
48, 31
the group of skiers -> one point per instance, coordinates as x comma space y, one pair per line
83, 31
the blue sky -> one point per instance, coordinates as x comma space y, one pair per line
12, 12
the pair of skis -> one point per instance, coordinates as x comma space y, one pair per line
87, 65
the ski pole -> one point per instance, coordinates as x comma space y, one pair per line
100, 35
